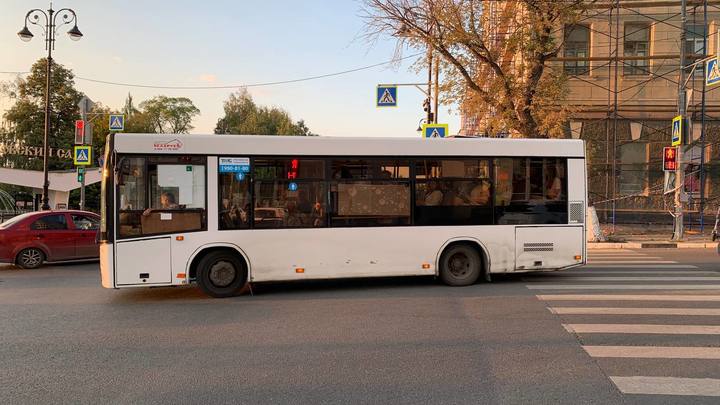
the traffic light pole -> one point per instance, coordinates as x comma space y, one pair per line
680, 173
82, 180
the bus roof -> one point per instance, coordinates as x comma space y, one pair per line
239, 145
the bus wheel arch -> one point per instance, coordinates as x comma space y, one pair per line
220, 270
463, 251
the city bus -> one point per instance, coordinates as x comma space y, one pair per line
225, 211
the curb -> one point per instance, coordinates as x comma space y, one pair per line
652, 245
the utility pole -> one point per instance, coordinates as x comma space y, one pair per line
430, 118
437, 88
680, 172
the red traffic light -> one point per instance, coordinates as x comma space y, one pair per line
79, 132
670, 162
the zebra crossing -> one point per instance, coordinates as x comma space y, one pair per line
651, 324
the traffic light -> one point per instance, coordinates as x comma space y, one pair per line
79, 132
80, 174
426, 104
670, 162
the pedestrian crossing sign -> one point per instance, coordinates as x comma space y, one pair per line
117, 122
386, 96
712, 72
435, 130
82, 155
677, 128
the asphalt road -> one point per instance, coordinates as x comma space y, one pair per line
64, 339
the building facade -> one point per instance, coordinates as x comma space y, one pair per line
622, 60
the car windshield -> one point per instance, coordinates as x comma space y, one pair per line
14, 220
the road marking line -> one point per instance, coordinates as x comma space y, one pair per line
624, 297
606, 278
708, 387
541, 286
641, 266
575, 272
654, 352
634, 311
642, 328
631, 262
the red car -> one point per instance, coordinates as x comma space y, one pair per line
30, 239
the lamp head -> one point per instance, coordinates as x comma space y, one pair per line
25, 34
75, 33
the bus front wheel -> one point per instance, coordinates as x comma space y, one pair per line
460, 265
221, 274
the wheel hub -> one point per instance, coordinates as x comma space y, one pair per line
459, 265
30, 257
222, 274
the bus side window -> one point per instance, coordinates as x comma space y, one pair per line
530, 191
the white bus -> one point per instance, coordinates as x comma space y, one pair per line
223, 211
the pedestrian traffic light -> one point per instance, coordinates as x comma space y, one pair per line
670, 162
79, 132
80, 174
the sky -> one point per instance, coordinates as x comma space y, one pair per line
214, 43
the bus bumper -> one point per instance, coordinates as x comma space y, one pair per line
106, 265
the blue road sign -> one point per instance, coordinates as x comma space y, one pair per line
712, 72
117, 122
677, 130
435, 130
386, 96
82, 155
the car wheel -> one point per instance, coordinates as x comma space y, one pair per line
221, 274
460, 265
30, 258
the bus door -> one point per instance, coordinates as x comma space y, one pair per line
140, 257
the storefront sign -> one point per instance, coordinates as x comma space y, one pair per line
34, 151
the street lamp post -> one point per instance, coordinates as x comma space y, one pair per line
49, 29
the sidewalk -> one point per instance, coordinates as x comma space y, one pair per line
652, 236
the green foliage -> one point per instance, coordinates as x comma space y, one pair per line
243, 116
168, 114
26, 118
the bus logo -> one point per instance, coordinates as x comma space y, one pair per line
175, 144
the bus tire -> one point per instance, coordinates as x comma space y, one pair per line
460, 265
30, 258
221, 274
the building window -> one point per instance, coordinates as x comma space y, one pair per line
453, 192
289, 193
694, 45
637, 43
370, 193
530, 191
577, 45
161, 194
633, 168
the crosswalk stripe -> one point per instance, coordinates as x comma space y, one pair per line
643, 266
634, 311
625, 297
654, 352
668, 385
540, 286
630, 278
631, 262
642, 328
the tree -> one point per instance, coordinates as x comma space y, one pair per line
26, 118
500, 75
243, 116
168, 114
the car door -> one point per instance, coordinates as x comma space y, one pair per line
52, 233
85, 229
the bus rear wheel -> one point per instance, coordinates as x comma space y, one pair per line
221, 274
460, 265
